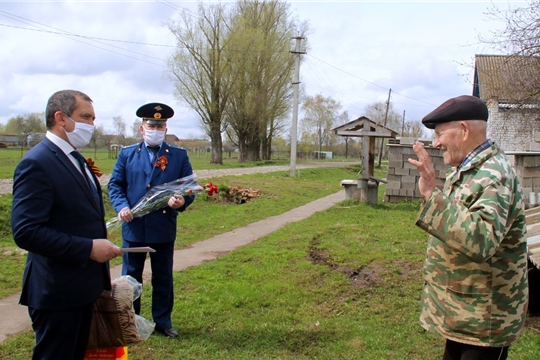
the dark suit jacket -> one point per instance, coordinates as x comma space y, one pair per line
133, 176
55, 218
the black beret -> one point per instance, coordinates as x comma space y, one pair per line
155, 113
464, 107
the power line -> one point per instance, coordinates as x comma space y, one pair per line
69, 35
99, 40
369, 82
83, 36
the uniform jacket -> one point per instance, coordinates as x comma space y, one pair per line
55, 218
133, 175
475, 288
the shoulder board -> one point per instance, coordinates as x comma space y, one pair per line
130, 146
176, 148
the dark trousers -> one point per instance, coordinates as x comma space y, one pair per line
61, 334
459, 351
161, 263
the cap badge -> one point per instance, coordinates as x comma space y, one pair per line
157, 116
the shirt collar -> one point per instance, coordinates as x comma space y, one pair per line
485, 145
61, 143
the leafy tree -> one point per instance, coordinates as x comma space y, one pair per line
262, 67
322, 114
26, 124
200, 69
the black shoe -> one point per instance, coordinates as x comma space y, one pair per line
170, 332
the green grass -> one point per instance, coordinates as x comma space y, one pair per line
104, 160
207, 217
342, 284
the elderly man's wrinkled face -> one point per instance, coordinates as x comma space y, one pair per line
449, 138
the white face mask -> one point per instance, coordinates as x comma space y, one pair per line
153, 137
81, 134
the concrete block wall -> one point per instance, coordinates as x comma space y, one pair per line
403, 177
527, 166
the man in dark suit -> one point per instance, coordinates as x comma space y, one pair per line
58, 217
138, 168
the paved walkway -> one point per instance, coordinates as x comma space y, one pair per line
14, 317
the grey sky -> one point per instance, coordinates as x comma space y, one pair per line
423, 51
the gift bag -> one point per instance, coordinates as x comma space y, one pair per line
111, 354
114, 322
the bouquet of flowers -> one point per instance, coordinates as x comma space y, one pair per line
158, 197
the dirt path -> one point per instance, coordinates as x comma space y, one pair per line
14, 317
6, 184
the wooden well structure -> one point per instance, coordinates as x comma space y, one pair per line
367, 186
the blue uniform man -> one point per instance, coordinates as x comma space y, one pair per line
140, 167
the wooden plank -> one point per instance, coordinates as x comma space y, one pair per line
533, 230
535, 260
532, 172
533, 241
532, 211
533, 245
532, 218
534, 252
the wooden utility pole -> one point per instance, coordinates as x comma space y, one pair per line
385, 118
296, 83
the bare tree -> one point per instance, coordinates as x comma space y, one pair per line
383, 114
135, 132
514, 78
200, 70
520, 41
413, 128
97, 136
120, 128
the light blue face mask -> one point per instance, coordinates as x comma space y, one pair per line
153, 137
81, 134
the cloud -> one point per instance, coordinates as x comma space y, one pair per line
357, 51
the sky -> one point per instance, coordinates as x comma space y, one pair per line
116, 52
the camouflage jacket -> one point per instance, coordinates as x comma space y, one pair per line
475, 289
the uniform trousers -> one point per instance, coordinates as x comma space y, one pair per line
458, 351
161, 263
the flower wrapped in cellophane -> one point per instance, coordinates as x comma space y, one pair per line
158, 197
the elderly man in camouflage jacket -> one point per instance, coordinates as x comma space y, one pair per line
475, 293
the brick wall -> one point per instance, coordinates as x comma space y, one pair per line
528, 170
512, 129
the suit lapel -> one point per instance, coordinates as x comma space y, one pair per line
81, 181
101, 206
144, 161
